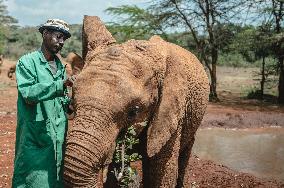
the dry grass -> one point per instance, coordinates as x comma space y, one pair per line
238, 82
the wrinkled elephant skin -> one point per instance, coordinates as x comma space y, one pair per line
124, 84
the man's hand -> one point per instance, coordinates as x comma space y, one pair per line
69, 81
70, 109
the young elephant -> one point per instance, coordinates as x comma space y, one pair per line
132, 83
11, 71
73, 63
76, 62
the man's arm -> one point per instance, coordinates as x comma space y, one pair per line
34, 92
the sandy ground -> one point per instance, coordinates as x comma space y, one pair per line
232, 112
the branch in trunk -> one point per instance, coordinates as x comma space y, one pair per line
120, 174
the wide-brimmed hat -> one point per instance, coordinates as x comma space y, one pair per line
57, 25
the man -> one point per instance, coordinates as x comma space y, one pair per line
41, 117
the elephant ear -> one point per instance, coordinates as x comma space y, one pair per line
94, 37
171, 103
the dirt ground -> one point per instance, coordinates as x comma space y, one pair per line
231, 112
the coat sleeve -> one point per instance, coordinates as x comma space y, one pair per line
32, 91
66, 99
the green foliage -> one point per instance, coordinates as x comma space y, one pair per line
234, 60
124, 33
123, 155
191, 28
248, 90
225, 35
20, 41
183, 39
5, 22
256, 94
270, 87
2, 40
133, 22
73, 44
5, 19
253, 42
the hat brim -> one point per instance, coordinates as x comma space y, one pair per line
65, 32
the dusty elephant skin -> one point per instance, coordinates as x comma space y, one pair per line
73, 63
124, 84
76, 63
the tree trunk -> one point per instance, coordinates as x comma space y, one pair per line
262, 78
281, 82
277, 11
213, 74
213, 84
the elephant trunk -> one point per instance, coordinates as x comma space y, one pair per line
89, 148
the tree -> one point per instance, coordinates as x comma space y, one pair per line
278, 13
272, 12
263, 48
134, 22
5, 21
204, 20
254, 44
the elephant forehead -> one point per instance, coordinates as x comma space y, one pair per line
114, 51
123, 63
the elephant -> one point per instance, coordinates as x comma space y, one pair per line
76, 62
11, 71
156, 86
73, 63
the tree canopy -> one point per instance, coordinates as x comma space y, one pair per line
5, 21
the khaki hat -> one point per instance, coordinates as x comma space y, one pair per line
57, 25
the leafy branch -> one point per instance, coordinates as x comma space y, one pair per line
126, 175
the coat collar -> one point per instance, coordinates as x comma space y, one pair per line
60, 68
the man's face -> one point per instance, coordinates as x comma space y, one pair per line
53, 40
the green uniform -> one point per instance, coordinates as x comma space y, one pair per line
41, 123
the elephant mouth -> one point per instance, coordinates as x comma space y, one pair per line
140, 126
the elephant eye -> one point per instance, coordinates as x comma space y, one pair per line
133, 111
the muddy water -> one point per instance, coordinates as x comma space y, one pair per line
256, 151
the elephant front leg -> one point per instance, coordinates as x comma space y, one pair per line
183, 166
162, 169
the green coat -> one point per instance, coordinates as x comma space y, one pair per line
41, 123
